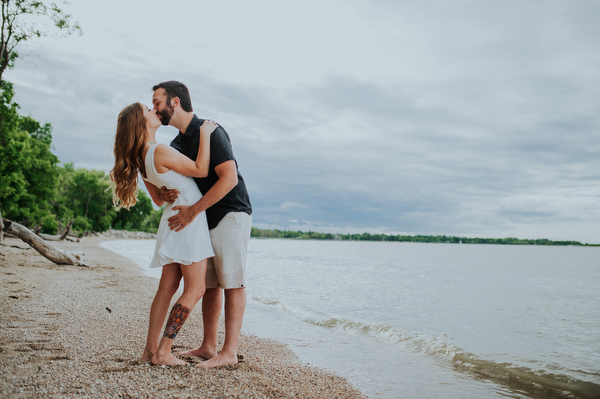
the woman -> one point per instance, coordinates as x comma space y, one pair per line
183, 253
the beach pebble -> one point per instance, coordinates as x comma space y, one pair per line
62, 341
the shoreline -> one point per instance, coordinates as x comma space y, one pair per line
76, 331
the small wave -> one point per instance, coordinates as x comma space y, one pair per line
420, 342
536, 382
556, 385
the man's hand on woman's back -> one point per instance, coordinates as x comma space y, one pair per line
168, 195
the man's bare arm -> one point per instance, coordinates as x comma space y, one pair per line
227, 173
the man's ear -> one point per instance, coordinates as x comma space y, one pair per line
175, 102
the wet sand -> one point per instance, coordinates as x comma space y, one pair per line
69, 331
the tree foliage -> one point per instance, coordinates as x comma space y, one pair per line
37, 192
83, 193
18, 25
140, 217
28, 169
34, 189
84, 196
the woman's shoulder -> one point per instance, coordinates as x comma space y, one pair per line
166, 156
163, 149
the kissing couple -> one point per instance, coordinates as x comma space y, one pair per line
205, 227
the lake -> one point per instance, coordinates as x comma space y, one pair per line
428, 320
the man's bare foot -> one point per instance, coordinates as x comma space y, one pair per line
199, 352
167, 360
221, 359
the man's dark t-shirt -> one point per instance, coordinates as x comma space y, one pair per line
237, 200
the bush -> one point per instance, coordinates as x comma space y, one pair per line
81, 224
49, 225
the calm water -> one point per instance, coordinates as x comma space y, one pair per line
404, 320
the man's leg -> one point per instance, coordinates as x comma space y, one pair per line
212, 302
226, 269
235, 306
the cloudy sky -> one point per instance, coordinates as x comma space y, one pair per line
456, 117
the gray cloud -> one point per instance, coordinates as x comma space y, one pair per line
463, 118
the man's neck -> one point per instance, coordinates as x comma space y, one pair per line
182, 121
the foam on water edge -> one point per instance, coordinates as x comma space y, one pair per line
529, 380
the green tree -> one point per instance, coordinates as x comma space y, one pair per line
139, 217
28, 169
12, 181
18, 26
49, 224
151, 222
84, 196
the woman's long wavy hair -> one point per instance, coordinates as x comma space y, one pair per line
129, 142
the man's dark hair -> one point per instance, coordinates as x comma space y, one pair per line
176, 89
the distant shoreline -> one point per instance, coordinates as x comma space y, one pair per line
311, 235
440, 239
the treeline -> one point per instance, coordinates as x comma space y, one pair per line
406, 238
42, 195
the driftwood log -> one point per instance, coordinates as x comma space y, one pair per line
58, 237
51, 253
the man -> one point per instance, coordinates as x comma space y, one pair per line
228, 210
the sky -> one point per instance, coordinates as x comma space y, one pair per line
452, 117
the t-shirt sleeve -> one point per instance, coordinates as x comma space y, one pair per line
220, 147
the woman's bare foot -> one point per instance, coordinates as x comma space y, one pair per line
221, 359
167, 360
147, 356
199, 352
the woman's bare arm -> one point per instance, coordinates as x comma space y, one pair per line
167, 158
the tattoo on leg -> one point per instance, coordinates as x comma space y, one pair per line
179, 315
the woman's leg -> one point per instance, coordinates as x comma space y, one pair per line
169, 283
194, 276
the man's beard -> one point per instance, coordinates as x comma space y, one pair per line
165, 115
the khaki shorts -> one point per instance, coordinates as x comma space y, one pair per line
230, 243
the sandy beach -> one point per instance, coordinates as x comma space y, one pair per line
69, 331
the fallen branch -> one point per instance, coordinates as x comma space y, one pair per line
51, 253
57, 237
48, 237
67, 230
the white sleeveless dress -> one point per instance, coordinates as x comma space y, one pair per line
192, 244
